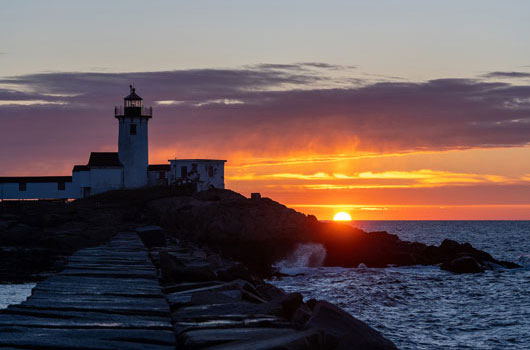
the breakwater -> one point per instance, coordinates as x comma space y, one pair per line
125, 294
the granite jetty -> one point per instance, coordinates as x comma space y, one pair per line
112, 297
155, 268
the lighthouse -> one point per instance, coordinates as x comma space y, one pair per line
133, 152
127, 168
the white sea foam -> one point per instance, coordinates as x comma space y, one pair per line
305, 256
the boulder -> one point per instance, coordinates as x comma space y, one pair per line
193, 273
205, 338
284, 305
465, 264
343, 331
216, 297
304, 340
152, 236
234, 272
268, 291
169, 265
301, 315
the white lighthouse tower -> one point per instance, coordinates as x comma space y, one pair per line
133, 139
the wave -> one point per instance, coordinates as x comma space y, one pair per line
524, 261
305, 255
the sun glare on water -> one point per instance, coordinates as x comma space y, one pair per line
342, 216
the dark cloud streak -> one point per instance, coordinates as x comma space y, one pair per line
507, 75
222, 111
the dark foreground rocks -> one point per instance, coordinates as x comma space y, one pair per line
261, 232
37, 236
343, 330
217, 303
108, 297
464, 264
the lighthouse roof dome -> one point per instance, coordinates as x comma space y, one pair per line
133, 96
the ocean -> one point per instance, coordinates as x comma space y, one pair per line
423, 307
420, 307
14, 293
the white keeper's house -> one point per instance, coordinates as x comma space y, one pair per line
125, 169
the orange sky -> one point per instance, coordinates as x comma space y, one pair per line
318, 137
464, 184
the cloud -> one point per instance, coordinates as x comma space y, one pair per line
387, 179
269, 111
507, 75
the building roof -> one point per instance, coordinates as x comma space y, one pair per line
80, 168
159, 167
104, 159
132, 95
197, 160
35, 179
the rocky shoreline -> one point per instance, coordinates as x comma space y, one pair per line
217, 303
212, 256
36, 237
261, 232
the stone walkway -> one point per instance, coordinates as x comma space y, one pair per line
107, 297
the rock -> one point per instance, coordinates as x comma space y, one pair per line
152, 236
189, 286
169, 266
201, 338
301, 315
465, 264
344, 332
311, 303
4, 225
304, 340
198, 273
183, 297
260, 232
218, 297
234, 272
268, 291
285, 305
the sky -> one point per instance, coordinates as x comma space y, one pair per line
386, 110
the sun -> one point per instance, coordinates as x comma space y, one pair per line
342, 216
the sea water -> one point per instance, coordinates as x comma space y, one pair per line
11, 294
423, 307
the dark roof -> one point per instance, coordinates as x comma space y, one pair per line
159, 167
198, 160
35, 179
132, 95
80, 168
104, 159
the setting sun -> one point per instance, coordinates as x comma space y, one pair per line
342, 216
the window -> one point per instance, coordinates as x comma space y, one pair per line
61, 186
162, 175
132, 129
210, 171
22, 187
183, 171
86, 192
133, 103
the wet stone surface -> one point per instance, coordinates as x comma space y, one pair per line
107, 297
130, 295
